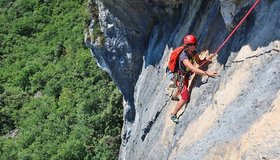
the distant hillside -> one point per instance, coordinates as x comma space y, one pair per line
55, 103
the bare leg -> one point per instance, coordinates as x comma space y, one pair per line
179, 105
176, 92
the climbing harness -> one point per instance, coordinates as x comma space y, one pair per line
181, 77
181, 80
239, 24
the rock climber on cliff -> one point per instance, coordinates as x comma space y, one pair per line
186, 60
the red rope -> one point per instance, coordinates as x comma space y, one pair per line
239, 24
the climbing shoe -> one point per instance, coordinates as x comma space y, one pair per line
174, 119
174, 98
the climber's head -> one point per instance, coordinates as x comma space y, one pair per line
190, 41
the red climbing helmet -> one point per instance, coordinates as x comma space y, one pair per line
189, 39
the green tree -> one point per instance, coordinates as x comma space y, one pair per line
51, 90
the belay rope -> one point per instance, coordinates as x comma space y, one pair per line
221, 46
239, 24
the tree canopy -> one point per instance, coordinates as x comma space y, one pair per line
55, 103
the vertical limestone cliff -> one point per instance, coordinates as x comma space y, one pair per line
233, 116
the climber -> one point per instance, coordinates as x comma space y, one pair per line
186, 60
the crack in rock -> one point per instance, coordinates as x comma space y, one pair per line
254, 56
147, 129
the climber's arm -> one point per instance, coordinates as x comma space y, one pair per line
193, 69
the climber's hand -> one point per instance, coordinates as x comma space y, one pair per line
212, 74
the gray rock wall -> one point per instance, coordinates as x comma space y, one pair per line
231, 117
126, 27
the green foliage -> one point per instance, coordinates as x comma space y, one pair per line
51, 90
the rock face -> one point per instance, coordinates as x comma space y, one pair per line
126, 27
234, 116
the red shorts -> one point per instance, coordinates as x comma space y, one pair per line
184, 92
